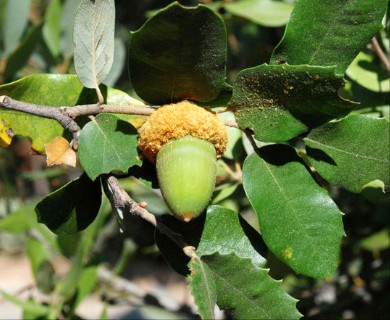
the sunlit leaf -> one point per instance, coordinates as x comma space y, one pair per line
351, 152
298, 220
108, 144
329, 33
241, 287
280, 102
220, 230
94, 41
59, 151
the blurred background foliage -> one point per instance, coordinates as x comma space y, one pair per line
36, 37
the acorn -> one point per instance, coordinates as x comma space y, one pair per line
184, 141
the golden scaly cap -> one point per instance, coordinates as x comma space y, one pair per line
178, 120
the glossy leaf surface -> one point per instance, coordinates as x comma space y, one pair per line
298, 220
351, 152
50, 90
281, 102
107, 144
180, 53
71, 208
40, 89
329, 33
239, 286
94, 41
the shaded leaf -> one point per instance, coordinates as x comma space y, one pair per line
20, 221
71, 208
94, 41
51, 28
329, 33
179, 53
378, 241
119, 62
18, 59
43, 271
107, 144
15, 11
46, 277
281, 102
241, 287
351, 152
267, 13
59, 151
66, 24
86, 283
219, 230
298, 220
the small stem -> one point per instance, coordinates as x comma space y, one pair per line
65, 115
42, 111
120, 199
100, 95
382, 56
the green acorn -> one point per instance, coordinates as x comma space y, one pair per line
184, 141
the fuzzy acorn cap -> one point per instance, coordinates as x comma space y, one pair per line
178, 120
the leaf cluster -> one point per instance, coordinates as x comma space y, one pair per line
301, 130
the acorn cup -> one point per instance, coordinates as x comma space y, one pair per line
184, 141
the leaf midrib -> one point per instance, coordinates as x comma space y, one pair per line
355, 155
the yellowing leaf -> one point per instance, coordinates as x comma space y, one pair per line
5, 134
59, 151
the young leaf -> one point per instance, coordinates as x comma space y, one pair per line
298, 220
94, 41
351, 152
180, 53
107, 144
281, 102
219, 230
71, 208
51, 28
239, 286
329, 33
14, 23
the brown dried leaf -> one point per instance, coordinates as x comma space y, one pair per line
59, 151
